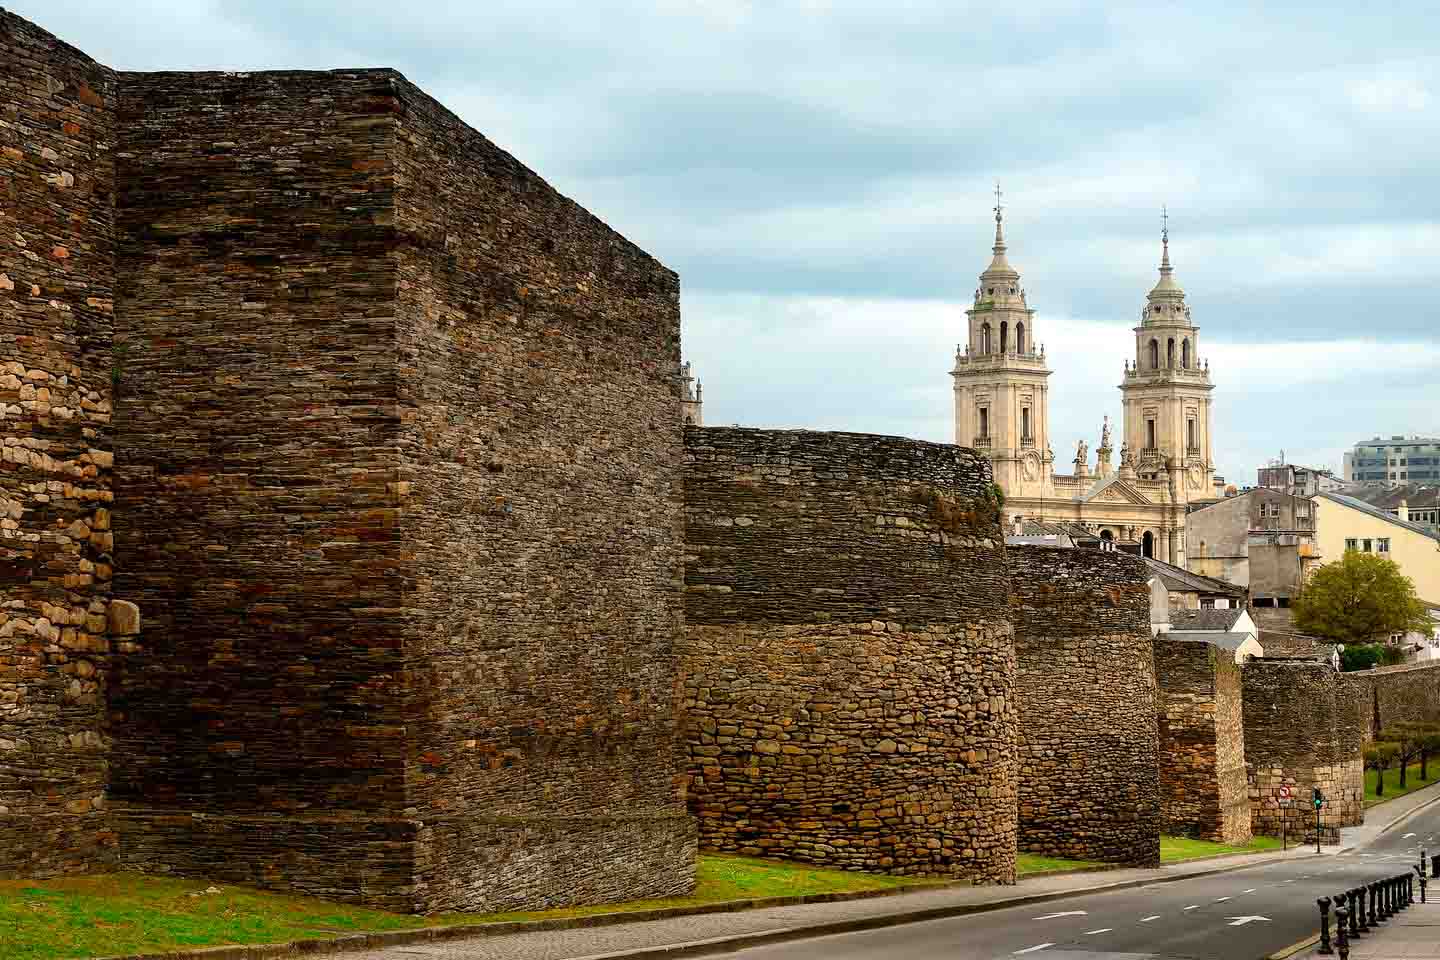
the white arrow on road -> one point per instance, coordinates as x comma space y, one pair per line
1241, 921
1067, 913
1407, 836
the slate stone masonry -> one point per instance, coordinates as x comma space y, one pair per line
397, 490
57, 277
1085, 681
1202, 742
848, 665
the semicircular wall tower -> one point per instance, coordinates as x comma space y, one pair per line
848, 657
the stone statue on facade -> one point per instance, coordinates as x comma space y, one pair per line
1105, 434
1082, 452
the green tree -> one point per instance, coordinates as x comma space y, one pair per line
1357, 598
1429, 747
1378, 757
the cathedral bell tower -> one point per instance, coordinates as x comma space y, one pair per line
1167, 392
1001, 389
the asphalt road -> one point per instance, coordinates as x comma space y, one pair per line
1244, 915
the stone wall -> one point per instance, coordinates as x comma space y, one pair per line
1203, 791
848, 662
1303, 728
1409, 693
57, 276
539, 499
1088, 739
261, 733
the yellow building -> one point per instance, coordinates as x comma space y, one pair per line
1344, 523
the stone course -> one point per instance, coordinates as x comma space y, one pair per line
57, 277
1203, 790
1304, 727
848, 664
1088, 746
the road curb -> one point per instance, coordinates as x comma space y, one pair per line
372, 941
1294, 948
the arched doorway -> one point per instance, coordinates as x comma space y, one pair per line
1107, 535
1147, 545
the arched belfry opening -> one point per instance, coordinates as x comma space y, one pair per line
1004, 337
1154, 354
1019, 338
1185, 354
1147, 545
1170, 354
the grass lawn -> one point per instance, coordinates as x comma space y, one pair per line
130, 913
1392, 782
1176, 849
1028, 863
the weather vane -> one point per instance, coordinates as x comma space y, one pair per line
998, 206
1164, 222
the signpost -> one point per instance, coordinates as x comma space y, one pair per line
1318, 799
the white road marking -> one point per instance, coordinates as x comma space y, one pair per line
1241, 921
1407, 836
1193, 906
1222, 899
1148, 919
1040, 946
1091, 933
1251, 890
1287, 881
1067, 913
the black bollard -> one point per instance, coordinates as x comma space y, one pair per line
1409, 889
1324, 904
1374, 891
1422, 888
1387, 904
1358, 926
1423, 868
1342, 942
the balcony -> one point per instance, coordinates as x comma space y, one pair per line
982, 443
1192, 451
1027, 442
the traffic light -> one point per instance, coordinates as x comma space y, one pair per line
1317, 797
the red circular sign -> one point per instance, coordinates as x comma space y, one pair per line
1285, 792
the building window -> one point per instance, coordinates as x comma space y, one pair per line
984, 423
1368, 545
1207, 604
1352, 544
1382, 545
1192, 436
1025, 423
1170, 354
1185, 354
1019, 337
1154, 355
1150, 434
985, 338
1004, 337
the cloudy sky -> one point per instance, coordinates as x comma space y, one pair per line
820, 173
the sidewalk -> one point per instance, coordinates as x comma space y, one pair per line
1412, 934
679, 936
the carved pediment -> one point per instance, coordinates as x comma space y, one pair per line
1116, 490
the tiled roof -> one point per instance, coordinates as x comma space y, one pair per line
1416, 497
1222, 620
1182, 580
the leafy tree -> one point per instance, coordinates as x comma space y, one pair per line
1357, 598
1359, 656
1378, 757
1429, 747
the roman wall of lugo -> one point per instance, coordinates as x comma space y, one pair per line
352, 544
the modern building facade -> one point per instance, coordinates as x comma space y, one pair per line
1263, 539
1400, 459
1345, 523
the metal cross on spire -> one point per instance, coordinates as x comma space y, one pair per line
998, 205
1164, 223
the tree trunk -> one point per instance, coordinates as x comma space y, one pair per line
1379, 781
1424, 761
1404, 766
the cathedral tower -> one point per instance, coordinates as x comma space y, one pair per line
1001, 389
1167, 393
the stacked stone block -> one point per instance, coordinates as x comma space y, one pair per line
1088, 743
848, 662
1304, 727
1203, 789
57, 277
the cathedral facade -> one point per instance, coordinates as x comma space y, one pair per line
1002, 408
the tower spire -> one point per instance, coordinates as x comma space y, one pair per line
1165, 269
999, 247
